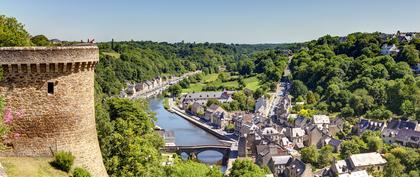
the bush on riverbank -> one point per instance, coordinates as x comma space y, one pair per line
166, 103
230, 128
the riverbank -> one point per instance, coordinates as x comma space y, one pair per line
185, 132
152, 88
166, 104
196, 121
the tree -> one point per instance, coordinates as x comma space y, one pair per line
12, 33
361, 101
393, 166
245, 168
214, 172
223, 76
245, 102
407, 107
40, 40
410, 55
409, 157
347, 112
191, 169
325, 156
349, 147
258, 93
310, 154
213, 101
175, 90
379, 114
131, 146
298, 88
310, 98
375, 144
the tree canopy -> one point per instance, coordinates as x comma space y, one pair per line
353, 78
13, 33
246, 168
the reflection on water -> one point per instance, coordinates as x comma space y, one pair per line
210, 157
186, 134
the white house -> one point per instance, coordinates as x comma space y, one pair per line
321, 121
389, 49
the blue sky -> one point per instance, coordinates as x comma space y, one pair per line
228, 21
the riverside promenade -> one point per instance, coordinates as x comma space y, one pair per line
197, 122
158, 89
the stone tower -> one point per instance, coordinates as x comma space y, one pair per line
53, 88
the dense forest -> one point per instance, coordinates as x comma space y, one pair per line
136, 61
352, 78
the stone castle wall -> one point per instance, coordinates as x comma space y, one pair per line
62, 120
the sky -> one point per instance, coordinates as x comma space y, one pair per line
227, 21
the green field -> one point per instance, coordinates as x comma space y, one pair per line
251, 83
194, 88
210, 77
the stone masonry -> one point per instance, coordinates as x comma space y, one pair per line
54, 89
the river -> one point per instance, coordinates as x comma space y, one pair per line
186, 134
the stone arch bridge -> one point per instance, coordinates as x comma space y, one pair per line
193, 151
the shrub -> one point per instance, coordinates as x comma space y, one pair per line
63, 161
81, 172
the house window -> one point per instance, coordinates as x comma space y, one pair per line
50, 87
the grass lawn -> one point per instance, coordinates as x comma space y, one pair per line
252, 83
231, 84
112, 54
30, 167
194, 88
210, 77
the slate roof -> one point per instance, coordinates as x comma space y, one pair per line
196, 105
213, 108
408, 135
402, 124
261, 102
334, 142
301, 121
298, 165
208, 95
365, 124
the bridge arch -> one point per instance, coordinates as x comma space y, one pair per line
193, 151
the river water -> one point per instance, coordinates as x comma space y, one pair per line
186, 134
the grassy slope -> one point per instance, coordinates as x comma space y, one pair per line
199, 86
30, 167
252, 83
